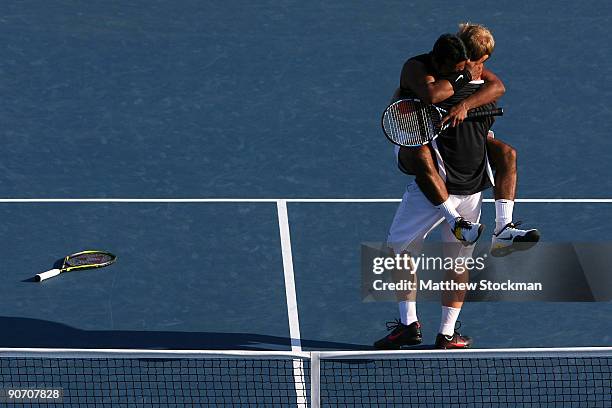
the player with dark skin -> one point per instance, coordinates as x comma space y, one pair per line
464, 148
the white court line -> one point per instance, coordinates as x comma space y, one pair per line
285, 237
292, 306
276, 200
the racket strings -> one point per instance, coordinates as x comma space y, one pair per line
89, 259
410, 124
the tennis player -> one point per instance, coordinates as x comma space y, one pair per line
464, 146
437, 180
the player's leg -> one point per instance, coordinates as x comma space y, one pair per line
507, 237
413, 220
503, 158
452, 301
420, 162
405, 331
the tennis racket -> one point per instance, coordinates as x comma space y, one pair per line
80, 261
410, 122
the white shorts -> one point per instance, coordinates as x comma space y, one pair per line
416, 216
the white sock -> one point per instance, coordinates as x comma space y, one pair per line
449, 318
503, 213
408, 313
449, 211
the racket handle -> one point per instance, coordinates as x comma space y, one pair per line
46, 275
486, 113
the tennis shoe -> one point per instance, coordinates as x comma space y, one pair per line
467, 232
401, 335
511, 239
456, 341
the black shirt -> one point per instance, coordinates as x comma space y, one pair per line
464, 149
461, 152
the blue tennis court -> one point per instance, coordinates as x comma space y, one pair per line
171, 102
230, 155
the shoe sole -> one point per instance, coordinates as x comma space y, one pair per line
525, 244
455, 348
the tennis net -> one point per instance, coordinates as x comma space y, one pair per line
568, 377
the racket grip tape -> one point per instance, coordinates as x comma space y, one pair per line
486, 113
46, 275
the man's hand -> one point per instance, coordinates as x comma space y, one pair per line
456, 114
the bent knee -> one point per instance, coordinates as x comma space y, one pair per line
501, 153
510, 155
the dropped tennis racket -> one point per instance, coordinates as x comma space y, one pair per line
410, 122
80, 261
